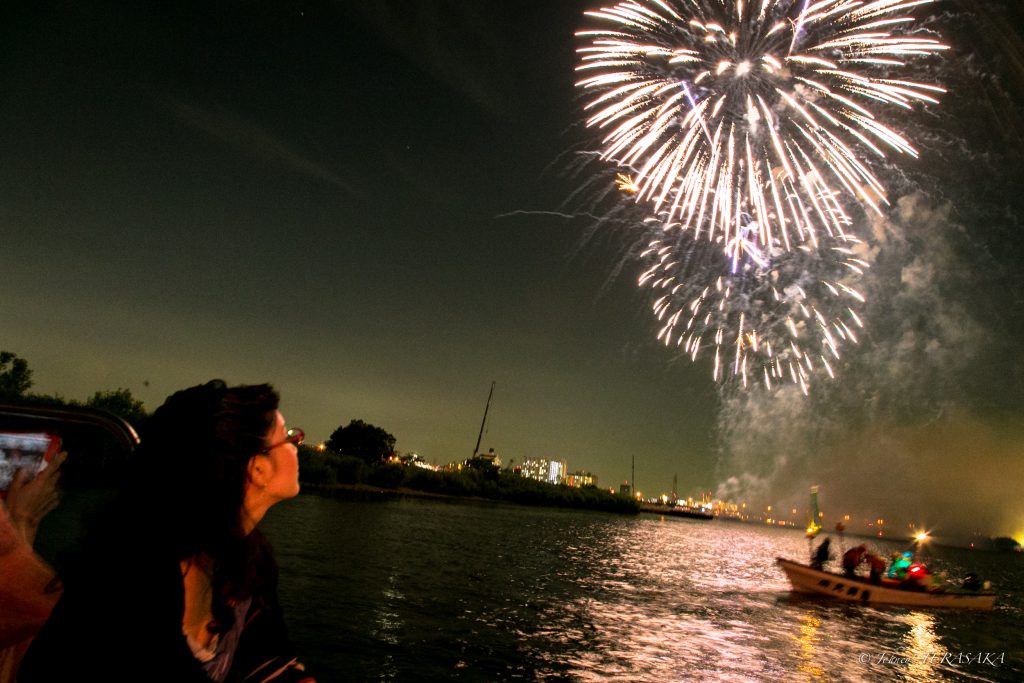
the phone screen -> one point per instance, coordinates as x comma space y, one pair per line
24, 450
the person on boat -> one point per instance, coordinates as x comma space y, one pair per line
917, 578
899, 566
174, 581
878, 566
821, 555
972, 582
852, 558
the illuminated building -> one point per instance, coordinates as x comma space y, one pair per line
542, 469
580, 479
556, 471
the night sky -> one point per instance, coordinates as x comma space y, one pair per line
368, 205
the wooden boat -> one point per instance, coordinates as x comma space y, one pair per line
808, 580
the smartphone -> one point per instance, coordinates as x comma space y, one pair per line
25, 450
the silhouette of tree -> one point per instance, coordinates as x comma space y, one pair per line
362, 440
15, 376
120, 402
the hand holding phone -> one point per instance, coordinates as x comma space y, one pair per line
28, 451
29, 499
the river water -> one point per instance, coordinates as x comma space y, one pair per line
421, 590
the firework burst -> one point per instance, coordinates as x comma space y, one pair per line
746, 128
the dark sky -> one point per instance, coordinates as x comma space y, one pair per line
348, 199
312, 194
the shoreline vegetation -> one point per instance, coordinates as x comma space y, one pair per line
327, 472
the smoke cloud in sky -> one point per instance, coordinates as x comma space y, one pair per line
254, 140
910, 431
956, 475
922, 426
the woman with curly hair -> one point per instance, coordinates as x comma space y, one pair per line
175, 581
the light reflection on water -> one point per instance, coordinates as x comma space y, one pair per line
415, 590
918, 643
809, 642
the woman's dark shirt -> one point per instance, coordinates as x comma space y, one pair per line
120, 619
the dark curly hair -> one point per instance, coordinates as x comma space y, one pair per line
193, 462
184, 492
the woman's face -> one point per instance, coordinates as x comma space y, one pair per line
282, 475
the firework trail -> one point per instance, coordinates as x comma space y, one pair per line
746, 128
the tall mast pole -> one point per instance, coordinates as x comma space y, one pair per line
632, 478
484, 421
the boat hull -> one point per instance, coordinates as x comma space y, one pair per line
804, 579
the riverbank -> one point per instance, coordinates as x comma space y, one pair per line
343, 475
367, 492
505, 489
675, 511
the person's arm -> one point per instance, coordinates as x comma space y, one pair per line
265, 653
27, 587
29, 499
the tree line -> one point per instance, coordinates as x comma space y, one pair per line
357, 439
16, 382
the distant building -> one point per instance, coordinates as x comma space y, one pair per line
625, 489
579, 479
556, 471
542, 469
532, 468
